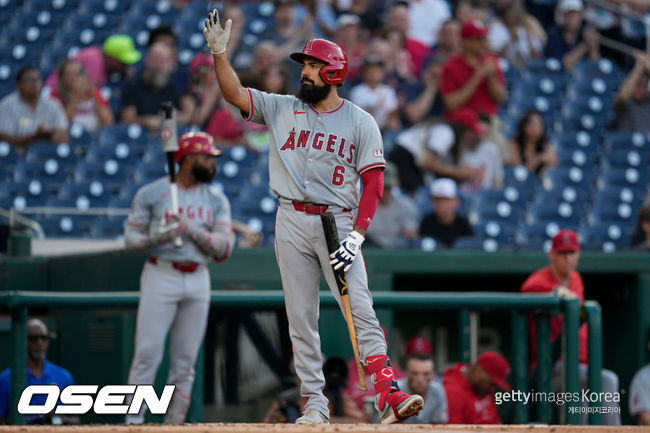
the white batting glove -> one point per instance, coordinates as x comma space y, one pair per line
348, 250
215, 36
166, 233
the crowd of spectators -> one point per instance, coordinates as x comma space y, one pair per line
431, 72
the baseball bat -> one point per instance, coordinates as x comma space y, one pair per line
170, 147
332, 239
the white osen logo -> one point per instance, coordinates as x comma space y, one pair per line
110, 400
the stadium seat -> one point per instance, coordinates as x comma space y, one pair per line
520, 178
122, 133
49, 172
145, 173
587, 161
604, 69
94, 192
621, 140
632, 177
119, 203
8, 154
472, 243
41, 151
605, 237
109, 172
121, 152
154, 155
571, 140
626, 158
623, 214
502, 212
573, 176
504, 234
564, 214
62, 227
127, 192
112, 228
620, 194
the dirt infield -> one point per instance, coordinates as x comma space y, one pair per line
338, 428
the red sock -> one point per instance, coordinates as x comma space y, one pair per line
383, 377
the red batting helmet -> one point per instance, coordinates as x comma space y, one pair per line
195, 142
336, 61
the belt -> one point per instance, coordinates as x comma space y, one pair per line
312, 208
180, 267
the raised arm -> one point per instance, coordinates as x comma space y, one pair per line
217, 39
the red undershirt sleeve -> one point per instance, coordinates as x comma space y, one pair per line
373, 190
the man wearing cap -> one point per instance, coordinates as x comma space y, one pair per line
143, 95
444, 224
470, 389
26, 115
570, 40
473, 78
421, 378
374, 96
114, 56
396, 218
561, 277
175, 282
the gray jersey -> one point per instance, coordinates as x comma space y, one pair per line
435, 404
203, 204
640, 392
317, 157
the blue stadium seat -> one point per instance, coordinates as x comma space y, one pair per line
50, 173
8, 154
62, 227
32, 193
59, 6
548, 66
622, 140
107, 228
502, 212
605, 237
604, 69
121, 152
619, 194
519, 177
472, 243
572, 140
626, 158
80, 139
623, 214
154, 155
594, 105
564, 214
145, 173
555, 197
585, 122
109, 172
587, 161
504, 234
635, 178
573, 176
108, 7
127, 192
122, 133
94, 193
120, 203
41, 151
591, 87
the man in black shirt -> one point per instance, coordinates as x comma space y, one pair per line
443, 224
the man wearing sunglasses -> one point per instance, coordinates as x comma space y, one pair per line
39, 372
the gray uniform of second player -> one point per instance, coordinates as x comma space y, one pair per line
169, 297
318, 158
435, 404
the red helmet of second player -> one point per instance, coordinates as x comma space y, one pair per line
337, 62
196, 142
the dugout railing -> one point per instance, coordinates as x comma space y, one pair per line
518, 306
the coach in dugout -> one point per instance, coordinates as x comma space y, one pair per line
39, 372
470, 389
561, 277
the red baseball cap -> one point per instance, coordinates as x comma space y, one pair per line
497, 367
565, 240
473, 29
467, 117
195, 142
201, 60
418, 345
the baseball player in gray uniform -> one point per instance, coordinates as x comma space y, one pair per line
321, 147
175, 282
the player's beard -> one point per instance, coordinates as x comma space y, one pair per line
203, 174
311, 93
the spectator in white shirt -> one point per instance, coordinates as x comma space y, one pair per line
376, 97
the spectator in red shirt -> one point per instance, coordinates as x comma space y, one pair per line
470, 389
474, 80
561, 277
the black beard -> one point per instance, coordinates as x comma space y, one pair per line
312, 94
204, 175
